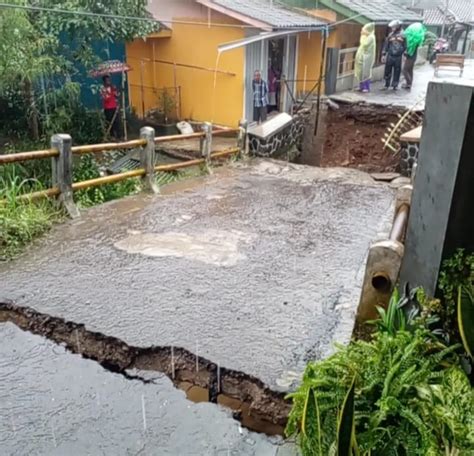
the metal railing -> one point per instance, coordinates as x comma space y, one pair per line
62, 153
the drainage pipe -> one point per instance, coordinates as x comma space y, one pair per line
400, 223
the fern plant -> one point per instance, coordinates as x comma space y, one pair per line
390, 372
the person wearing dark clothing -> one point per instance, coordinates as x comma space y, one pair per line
408, 68
109, 94
260, 98
392, 53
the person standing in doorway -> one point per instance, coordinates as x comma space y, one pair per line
260, 97
392, 55
109, 95
365, 57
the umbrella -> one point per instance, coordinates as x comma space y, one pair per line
415, 36
109, 67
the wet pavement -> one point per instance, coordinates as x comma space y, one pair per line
56, 403
415, 98
257, 268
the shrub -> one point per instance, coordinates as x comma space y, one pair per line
87, 169
457, 271
411, 395
22, 221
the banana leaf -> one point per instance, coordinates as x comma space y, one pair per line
466, 318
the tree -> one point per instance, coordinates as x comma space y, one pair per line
39, 45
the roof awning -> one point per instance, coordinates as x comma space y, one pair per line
261, 37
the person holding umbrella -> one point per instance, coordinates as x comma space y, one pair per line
109, 94
415, 37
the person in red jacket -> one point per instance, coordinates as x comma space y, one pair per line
110, 94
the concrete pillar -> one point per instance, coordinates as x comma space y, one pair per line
442, 210
147, 158
243, 139
381, 275
206, 144
62, 173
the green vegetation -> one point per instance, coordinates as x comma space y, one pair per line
41, 53
22, 221
411, 394
465, 315
88, 169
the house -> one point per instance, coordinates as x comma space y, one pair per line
180, 69
351, 15
458, 20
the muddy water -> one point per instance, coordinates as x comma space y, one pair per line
262, 302
56, 403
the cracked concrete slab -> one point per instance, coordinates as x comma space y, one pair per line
288, 293
56, 403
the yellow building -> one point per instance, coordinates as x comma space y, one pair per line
181, 70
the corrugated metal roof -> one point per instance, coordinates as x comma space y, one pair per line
380, 11
459, 11
270, 12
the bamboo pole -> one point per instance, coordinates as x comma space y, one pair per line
76, 186
107, 179
220, 132
48, 193
194, 67
26, 156
92, 148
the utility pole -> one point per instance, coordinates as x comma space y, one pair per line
445, 18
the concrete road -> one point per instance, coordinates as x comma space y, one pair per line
257, 268
416, 96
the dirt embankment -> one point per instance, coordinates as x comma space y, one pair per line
265, 406
354, 134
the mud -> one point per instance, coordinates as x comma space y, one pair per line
354, 135
261, 404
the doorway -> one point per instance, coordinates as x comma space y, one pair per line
279, 54
276, 49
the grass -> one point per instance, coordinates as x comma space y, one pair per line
22, 221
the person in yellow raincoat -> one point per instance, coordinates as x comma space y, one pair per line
365, 57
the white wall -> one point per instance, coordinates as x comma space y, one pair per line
166, 10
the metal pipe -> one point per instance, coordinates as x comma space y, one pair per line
92, 148
26, 156
400, 223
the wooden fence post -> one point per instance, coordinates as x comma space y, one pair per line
206, 144
147, 157
243, 138
62, 173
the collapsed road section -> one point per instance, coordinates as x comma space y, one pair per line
180, 365
257, 268
58, 403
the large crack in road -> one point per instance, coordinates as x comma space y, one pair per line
180, 365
